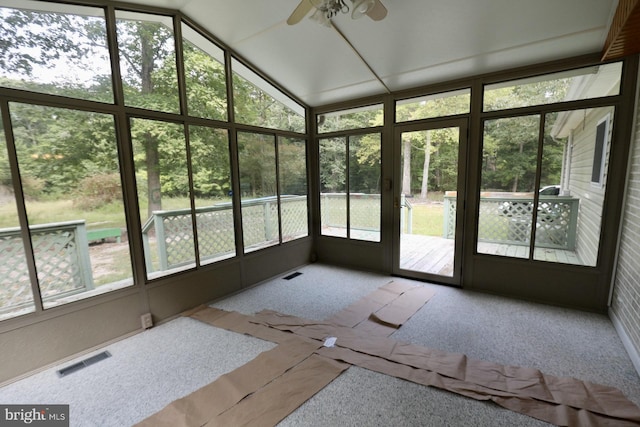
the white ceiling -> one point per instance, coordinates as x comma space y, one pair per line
419, 42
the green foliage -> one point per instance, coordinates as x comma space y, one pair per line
254, 106
206, 84
95, 191
333, 171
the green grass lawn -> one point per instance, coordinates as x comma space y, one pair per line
428, 220
107, 216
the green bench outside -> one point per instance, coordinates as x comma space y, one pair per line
100, 234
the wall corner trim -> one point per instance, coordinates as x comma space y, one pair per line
634, 353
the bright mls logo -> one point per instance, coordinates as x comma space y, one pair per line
34, 415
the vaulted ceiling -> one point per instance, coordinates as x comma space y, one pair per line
419, 42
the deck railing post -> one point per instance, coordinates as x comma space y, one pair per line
158, 222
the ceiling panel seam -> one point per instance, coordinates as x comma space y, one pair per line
346, 40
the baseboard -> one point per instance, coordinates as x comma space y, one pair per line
633, 352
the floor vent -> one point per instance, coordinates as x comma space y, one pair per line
83, 363
293, 275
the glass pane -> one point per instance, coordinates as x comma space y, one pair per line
429, 164
258, 103
159, 151
354, 118
54, 51
16, 297
205, 76
292, 158
333, 187
438, 105
148, 61
570, 202
584, 83
212, 193
257, 162
509, 153
364, 187
71, 181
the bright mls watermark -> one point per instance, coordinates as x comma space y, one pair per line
34, 415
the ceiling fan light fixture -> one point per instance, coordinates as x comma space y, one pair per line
361, 8
321, 18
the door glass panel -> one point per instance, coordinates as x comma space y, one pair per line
364, 187
572, 187
333, 187
509, 152
428, 200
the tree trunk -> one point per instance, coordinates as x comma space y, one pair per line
153, 174
406, 169
425, 167
150, 142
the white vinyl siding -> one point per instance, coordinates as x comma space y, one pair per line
591, 196
626, 293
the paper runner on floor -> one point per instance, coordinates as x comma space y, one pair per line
262, 392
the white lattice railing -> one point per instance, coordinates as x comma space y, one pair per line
507, 219
364, 211
62, 262
173, 230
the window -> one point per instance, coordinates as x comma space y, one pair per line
16, 297
70, 175
258, 191
273, 189
354, 118
438, 105
509, 152
292, 169
600, 151
350, 186
56, 52
256, 102
583, 83
162, 178
148, 61
210, 165
205, 76
64, 164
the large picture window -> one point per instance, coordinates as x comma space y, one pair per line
544, 175
70, 176
74, 136
350, 186
54, 51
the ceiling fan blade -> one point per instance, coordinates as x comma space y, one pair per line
377, 12
300, 12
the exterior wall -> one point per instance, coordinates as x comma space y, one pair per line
591, 196
625, 305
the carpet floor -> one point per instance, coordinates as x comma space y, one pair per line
151, 369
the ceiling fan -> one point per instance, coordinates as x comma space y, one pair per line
327, 9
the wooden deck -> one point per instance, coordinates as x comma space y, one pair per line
427, 254
434, 255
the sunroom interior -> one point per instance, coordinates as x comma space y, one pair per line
158, 155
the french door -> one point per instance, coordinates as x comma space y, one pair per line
429, 169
